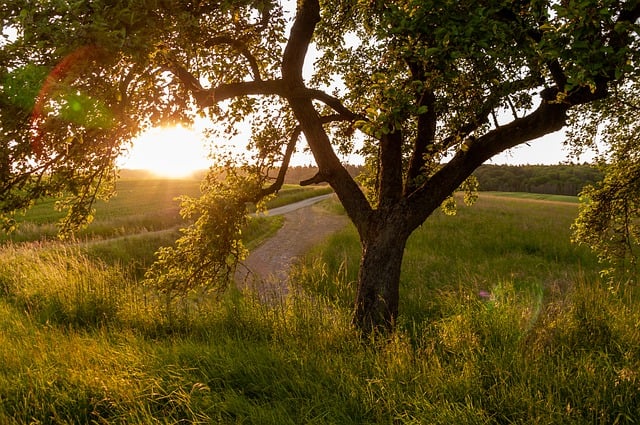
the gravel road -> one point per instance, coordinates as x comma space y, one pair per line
266, 268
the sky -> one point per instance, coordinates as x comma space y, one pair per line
547, 150
177, 152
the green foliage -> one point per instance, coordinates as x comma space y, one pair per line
471, 54
210, 247
79, 81
608, 220
21, 86
469, 188
85, 111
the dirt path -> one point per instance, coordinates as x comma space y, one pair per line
266, 268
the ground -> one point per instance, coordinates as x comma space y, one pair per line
267, 266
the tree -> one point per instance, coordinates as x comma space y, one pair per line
608, 217
432, 89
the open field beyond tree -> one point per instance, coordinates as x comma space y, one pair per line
502, 320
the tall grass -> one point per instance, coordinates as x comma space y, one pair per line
502, 319
81, 341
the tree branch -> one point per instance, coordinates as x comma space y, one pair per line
307, 16
317, 178
242, 48
348, 191
277, 184
424, 140
333, 102
209, 97
557, 74
549, 117
390, 190
186, 78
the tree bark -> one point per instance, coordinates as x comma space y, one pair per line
376, 305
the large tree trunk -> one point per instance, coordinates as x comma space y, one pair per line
376, 307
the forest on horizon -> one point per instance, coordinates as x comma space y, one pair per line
561, 179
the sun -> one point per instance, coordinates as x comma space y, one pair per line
170, 152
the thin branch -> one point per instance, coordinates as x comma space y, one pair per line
331, 101
495, 119
210, 97
242, 48
513, 109
186, 78
123, 87
492, 102
557, 74
317, 178
277, 184
476, 121
426, 132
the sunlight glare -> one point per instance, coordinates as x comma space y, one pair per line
172, 152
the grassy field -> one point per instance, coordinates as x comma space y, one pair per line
139, 206
537, 196
141, 217
503, 321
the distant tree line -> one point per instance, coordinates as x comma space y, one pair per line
552, 179
567, 179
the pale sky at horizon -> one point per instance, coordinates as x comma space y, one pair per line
547, 150
177, 152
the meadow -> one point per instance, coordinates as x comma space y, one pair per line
138, 206
143, 215
503, 320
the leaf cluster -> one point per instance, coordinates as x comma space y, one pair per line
610, 210
205, 255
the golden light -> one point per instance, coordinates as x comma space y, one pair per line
171, 152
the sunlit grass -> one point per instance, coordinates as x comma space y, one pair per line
536, 196
82, 341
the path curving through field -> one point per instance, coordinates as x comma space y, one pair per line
305, 225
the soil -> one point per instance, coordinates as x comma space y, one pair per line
266, 268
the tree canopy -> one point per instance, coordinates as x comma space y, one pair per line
431, 89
